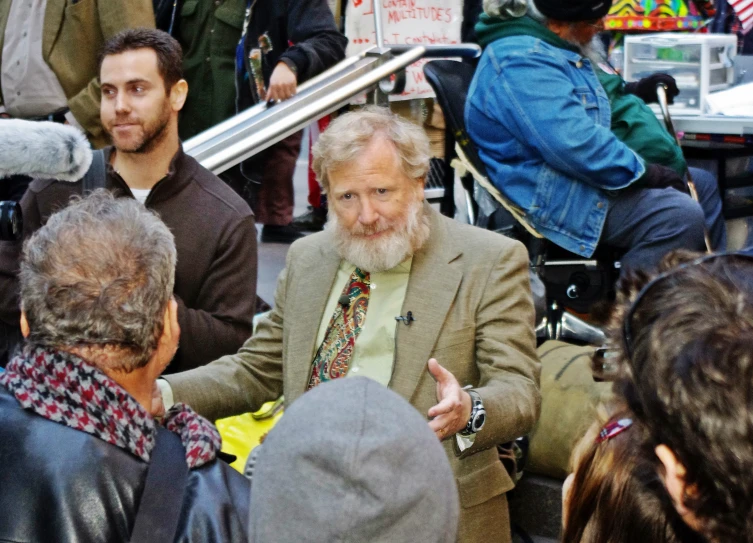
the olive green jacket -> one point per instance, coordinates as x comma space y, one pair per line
74, 33
209, 35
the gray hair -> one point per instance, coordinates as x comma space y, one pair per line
511, 9
99, 275
350, 134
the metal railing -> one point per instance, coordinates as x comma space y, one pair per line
263, 125
260, 127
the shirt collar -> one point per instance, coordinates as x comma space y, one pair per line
179, 174
403, 267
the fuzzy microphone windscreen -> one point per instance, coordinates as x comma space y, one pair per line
43, 150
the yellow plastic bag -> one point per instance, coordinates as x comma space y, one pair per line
242, 433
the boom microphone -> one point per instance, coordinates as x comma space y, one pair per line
43, 149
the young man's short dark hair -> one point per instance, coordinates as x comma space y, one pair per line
686, 342
168, 51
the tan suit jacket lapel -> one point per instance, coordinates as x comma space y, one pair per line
308, 305
53, 19
431, 289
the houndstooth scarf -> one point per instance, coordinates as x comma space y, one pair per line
63, 388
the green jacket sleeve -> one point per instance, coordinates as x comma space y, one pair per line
635, 124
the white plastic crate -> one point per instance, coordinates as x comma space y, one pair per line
700, 63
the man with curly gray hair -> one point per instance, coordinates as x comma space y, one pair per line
101, 324
394, 291
104, 290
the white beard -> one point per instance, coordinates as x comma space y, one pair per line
387, 251
595, 51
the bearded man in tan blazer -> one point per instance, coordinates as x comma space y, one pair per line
462, 295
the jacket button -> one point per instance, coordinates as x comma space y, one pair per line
579, 64
600, 205
582, 248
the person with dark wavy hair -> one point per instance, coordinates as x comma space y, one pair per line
615, 494
685, 369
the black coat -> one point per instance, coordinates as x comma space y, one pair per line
309, 25
60, 485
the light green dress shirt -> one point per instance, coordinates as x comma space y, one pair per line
374, 353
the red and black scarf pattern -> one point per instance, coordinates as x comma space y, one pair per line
63, 388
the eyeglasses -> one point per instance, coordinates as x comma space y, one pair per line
627, 323
612, 429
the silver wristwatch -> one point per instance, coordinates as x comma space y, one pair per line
478, 415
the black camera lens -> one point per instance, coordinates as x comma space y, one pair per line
11, 221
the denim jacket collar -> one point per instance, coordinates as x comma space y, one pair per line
490, 29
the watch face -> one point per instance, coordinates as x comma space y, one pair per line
478, 421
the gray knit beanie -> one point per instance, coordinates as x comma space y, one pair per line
351, 461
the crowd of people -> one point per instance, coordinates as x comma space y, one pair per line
402, 341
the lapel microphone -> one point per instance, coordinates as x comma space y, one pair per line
407, 319
344, 300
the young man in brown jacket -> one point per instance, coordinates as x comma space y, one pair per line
215, 235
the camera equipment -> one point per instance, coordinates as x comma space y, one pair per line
11, 221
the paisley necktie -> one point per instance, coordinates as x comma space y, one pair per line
336, 351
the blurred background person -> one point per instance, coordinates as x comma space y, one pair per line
547, 132
282, 44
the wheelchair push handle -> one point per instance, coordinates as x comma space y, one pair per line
661, 95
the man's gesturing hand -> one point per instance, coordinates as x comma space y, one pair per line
453, 409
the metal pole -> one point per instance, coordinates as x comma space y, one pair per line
378, 29
378, 97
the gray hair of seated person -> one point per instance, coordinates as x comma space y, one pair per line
349, 135
98, 276
512, 9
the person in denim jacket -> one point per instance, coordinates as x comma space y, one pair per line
541, 121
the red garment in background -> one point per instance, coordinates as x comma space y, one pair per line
315, 189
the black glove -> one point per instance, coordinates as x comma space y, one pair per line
661, 177
645, 89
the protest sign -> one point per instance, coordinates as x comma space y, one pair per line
405, 22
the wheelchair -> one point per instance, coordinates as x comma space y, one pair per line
571, 284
